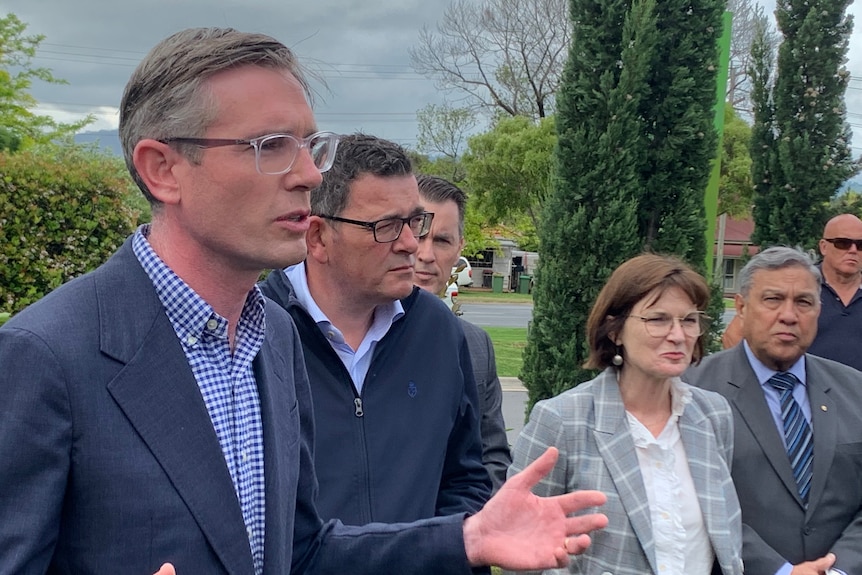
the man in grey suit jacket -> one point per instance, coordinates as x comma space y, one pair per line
438, 252
799, 523
157, 409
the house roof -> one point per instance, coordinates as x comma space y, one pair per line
737, 235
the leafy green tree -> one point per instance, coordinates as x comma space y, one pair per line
635, 141
19, 125
850, 202
801, 140
63, 211
509, 168
736, 190
443, 131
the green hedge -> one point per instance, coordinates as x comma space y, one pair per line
63, 211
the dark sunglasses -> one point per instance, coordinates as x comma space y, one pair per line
844, 243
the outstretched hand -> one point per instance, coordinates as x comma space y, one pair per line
518, 530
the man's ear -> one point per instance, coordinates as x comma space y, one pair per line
739, 303
318, 239
156, 164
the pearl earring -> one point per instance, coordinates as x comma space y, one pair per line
617, 359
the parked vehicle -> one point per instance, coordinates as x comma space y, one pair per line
464, 271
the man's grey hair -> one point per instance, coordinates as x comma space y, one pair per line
776, 258
167, 95
439, 190
357, 154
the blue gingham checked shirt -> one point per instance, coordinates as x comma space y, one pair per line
226, 381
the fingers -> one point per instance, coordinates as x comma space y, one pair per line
816, 567
578, 500
585, 523
577, 544
824, 563
166, 569
534, 472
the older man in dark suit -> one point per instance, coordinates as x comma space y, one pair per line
798, 425
438, 252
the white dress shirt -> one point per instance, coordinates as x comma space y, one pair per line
682, 545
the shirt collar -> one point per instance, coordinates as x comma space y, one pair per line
386, 313
187, 311
680, 396
763, 373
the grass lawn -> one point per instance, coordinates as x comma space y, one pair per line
473, 295
3, 317
509, 343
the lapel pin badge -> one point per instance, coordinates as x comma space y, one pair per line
823, 408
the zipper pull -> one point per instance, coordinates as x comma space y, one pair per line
358, 404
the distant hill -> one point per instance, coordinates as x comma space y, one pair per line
854, 184
107, 139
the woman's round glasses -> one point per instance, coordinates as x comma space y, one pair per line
661, 324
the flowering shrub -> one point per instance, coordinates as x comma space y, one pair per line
63, 211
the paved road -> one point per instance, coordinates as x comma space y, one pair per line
514, 404
498, 314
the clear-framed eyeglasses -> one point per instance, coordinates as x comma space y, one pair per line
694, 324
276, 153
389, 229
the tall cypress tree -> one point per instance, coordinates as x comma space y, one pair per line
762, 136
681, 134
802, 151
634, 121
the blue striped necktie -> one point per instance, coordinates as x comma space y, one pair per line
797, 433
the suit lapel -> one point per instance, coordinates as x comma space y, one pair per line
615, 444
824, 427
159, 395
277, 398
754, 411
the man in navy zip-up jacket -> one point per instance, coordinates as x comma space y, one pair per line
395, 402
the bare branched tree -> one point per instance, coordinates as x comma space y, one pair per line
747, 16
500, 55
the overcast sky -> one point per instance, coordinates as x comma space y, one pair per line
360, 48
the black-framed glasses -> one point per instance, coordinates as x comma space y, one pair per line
389, 229
661, 324
844, 243
276, 153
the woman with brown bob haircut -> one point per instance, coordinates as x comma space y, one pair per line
657, 447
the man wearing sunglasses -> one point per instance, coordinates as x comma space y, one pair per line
839, 328
395, 403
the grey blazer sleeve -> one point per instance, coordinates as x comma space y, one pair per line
495, 445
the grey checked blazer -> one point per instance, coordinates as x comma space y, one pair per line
588, 425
